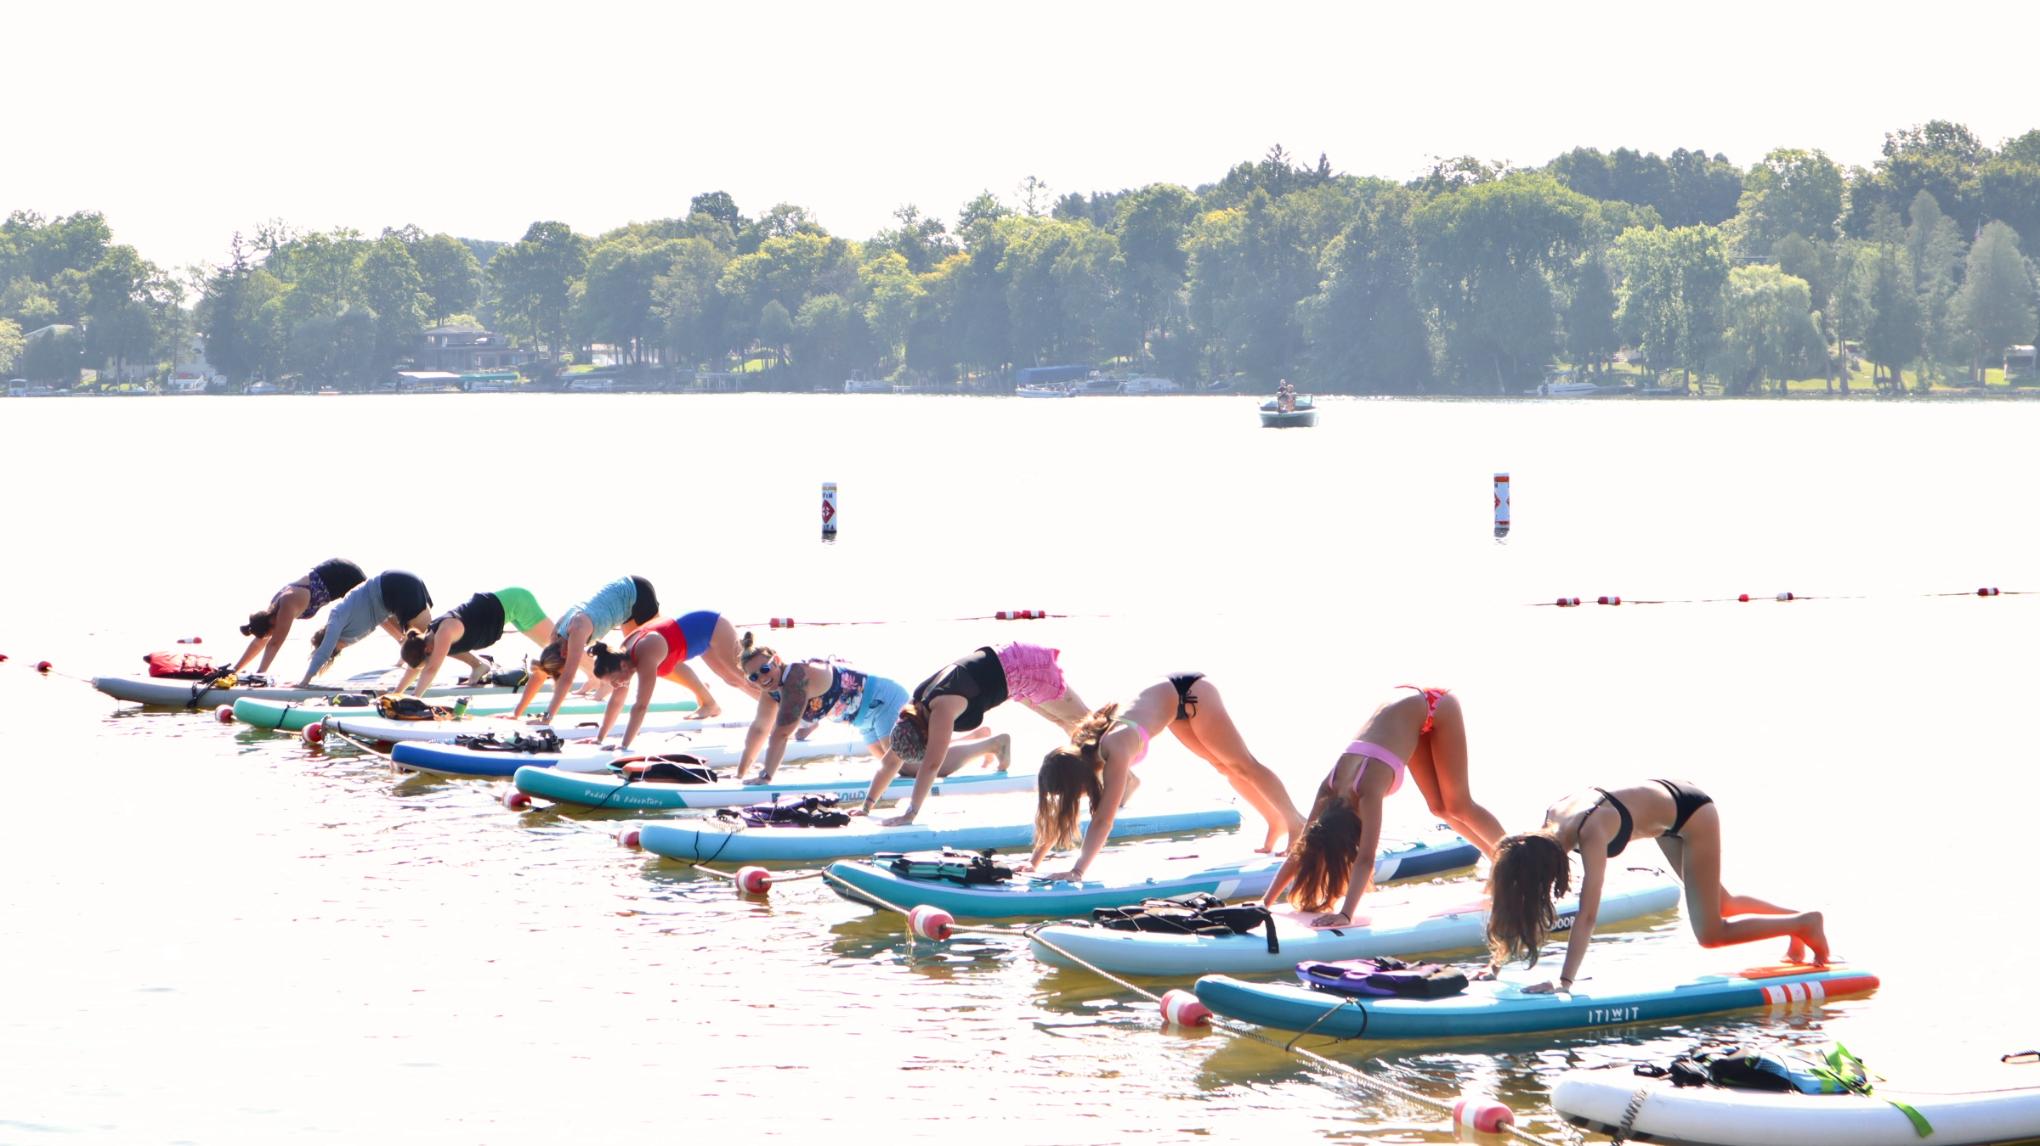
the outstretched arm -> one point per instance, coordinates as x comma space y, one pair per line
942, 713
1595, 860
888, 768
1361, 879
1100, 828
754, 737
792, 699
647, 676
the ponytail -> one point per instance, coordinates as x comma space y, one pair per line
259, 624
607, 662
1070, 774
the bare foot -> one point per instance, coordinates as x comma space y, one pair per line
1004, 752
1812, 941
708, 713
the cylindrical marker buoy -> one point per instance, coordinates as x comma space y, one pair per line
931, 922
1743, 597
828, 511
313, 734
1785, 597
43, 667
754, 880
1181, 1008
1607, 600
1481, 1114
1567, 602
631, 838
1501, 506
224, 714
1989, 592
191, 640
514, 800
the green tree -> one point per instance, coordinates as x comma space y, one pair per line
394, 294
10, 345
1154, 225
829, 340
1768, 329
1590, 335
690, 310
1487, 255
893, 295
1995, 305
1366, 333
1896, 334
775, 330
533, 280
1790, 192
1672, 284
53, 359
1934, 248
448, 274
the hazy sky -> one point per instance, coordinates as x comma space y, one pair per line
186, 122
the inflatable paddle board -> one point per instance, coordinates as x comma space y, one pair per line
721, 840
851, 785
716, 747
1117, 879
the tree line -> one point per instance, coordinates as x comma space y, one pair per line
1473, 278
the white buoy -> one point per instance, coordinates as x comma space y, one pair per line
1501, 506
828, 511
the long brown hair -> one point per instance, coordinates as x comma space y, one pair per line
1531, 872
553, 657
1325, 850
1069, 774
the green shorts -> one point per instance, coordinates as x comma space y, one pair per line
520, 609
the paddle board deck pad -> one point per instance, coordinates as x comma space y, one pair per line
1396, 923
720, 840
290, 716
163, 692
715, 747
606, 790
1717, 1116
363, 724
1119, 880
1502, 1007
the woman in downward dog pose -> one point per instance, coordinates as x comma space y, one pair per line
799, 693
627, 603
475, 624
1097, 766
959, 695
1422, 734
1532, 871
393, 601
300, 600
662, 649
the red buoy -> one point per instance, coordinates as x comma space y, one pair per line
1990, 592
754, 880
1607, 600
1743, 597
42, 666
1567, 602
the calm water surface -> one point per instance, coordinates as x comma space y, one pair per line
213, 935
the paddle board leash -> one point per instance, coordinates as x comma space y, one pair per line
1181, 1008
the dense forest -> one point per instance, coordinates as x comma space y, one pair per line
1475, 278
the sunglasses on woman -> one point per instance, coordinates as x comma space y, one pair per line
762, 670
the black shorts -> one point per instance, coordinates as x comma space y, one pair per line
647, 605
403, 594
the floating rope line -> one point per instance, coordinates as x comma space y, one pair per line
1346, 1071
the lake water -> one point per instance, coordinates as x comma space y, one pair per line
214, 935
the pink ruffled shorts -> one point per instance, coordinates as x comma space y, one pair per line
1032, 674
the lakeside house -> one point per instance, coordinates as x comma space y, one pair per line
466, 350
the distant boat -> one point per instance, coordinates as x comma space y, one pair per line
1274, 417
1042, 390
1565, 384
1096, 385
867, 386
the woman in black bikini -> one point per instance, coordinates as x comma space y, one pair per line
300, 600
1532, 871
1097, 765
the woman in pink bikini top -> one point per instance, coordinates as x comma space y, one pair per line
1421, 733
1097, 765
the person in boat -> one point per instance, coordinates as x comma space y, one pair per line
300, 600
1532, 870
1421, 733
393, 601
627, 603
797, 694
466, 629
1097, 765
661, 650
957, 697
1285, 397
